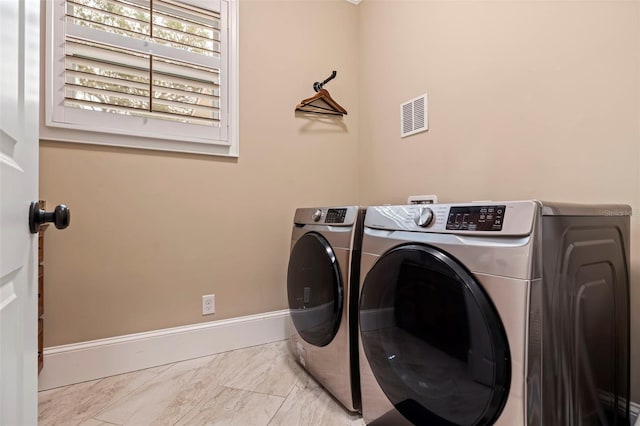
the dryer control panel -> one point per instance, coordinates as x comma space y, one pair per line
330, 216
476, 218
335, 215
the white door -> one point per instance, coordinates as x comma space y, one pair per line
19, 83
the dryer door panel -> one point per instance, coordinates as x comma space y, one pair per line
315, 289
433, 339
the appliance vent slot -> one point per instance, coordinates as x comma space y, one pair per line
413, 116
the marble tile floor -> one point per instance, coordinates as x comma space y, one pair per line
261, 385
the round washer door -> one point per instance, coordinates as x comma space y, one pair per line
315, 289
433, 339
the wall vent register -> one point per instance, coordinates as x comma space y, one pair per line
414, 117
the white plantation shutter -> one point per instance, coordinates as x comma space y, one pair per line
155, 69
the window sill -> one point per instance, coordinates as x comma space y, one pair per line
125, 141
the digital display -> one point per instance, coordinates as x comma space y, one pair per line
476, 218
336, 216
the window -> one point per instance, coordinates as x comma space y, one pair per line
155, 74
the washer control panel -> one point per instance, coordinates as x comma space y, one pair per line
476, 218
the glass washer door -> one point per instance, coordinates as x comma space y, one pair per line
433, 339
315, 289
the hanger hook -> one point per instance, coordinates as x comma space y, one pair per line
317, 86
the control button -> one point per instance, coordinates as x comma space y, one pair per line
317, 215
499, 211
423, 217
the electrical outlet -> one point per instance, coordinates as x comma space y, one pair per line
208, 304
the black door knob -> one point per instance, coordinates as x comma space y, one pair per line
60, 216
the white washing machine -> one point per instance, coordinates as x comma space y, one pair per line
322, 288
506, 313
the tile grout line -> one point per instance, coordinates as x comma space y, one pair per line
101, 421
204, 402
280, 407
83, 419
255, 391
118, 399
196, 406
191, 372
284, 400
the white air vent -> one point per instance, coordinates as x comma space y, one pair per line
413, 116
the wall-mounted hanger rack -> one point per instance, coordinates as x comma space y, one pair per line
321, 102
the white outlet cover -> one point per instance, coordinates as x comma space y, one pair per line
208, 304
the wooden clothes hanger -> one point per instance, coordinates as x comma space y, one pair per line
322, 102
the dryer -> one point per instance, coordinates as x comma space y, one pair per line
322, 290
506, 313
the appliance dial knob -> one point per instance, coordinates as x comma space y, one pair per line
423, 217
317, 215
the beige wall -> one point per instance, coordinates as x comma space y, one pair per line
527, 100
152, 232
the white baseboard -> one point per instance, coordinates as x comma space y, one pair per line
80, 362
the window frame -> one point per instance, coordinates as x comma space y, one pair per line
132, 131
